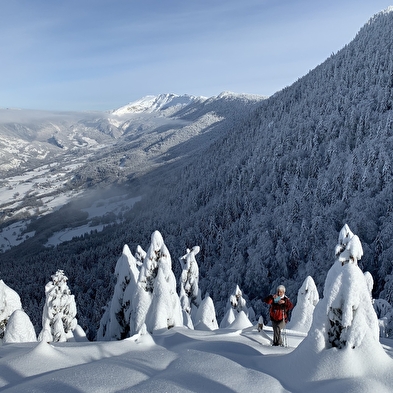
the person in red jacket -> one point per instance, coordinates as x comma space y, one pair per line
280, 305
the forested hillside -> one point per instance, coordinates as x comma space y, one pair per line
264, 202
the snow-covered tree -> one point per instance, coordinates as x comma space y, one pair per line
307, 299
156, 253
236, 304
190, 294
237, 301
131, 295
19, 328
344, 317
384, 312
9, 302
387, 292
114, 324
205, 318
58, 317
348, 295
344, 328
165, 311
151, 295
384, 308
140, 255
344, 237
349, 248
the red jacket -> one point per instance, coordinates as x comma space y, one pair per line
279, 312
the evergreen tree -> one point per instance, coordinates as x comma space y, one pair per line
157, 303
384, 308
114, 324
140, 255
344, 319
236, 304
348, 294
165, 311
58, 318
156, 253
307, 299
190, 294
131, 292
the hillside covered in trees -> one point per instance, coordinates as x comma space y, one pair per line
265, 201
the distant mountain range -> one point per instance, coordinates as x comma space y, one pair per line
47, 158
263, 186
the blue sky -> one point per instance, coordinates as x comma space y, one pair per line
102, 54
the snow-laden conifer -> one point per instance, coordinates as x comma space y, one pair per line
345, 326
165, 311
386, 306
140, 255
384, 311
344, 317
150, 295
381, 307
348, 297
156, 253
9, 302
307, 299
190, 294
58, 317
114, 324
235, 305
131, 292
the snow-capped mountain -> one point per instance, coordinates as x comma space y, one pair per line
164, 103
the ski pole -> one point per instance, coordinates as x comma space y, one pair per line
284, 333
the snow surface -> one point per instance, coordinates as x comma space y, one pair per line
183, 360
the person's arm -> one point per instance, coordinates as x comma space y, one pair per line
269, 299
288, 304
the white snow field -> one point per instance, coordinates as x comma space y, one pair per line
184, 360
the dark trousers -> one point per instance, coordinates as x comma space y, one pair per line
277, 327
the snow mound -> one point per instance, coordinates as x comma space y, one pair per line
19, 328
241, 321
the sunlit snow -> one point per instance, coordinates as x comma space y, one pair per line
183, 360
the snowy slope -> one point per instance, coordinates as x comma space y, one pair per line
181, 360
